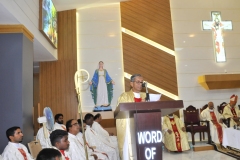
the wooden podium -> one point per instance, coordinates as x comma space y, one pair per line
148, 127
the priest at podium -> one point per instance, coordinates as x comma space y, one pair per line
175, 136
126, 143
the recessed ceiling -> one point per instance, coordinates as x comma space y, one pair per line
81, 4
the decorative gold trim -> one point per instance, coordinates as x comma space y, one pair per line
17, 29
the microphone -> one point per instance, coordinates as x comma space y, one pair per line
147, 94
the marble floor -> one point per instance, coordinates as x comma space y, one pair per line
191, 155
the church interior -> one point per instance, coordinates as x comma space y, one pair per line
185, 51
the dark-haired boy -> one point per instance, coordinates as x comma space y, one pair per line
59, 141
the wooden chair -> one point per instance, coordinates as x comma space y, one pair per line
192, 123
34, 147
221, 107
220, 110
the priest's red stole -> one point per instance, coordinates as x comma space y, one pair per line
233, 112
218, 126
176, 133
23, 153
63, 153
137, 99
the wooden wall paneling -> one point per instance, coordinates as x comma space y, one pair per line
57, 88
156, 66
151, 19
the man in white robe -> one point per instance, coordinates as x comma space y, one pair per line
100, 154
15, 150
59, 122
102, 132
232, 111
215, 120
94, 140
76, 149
44, 138
59, 141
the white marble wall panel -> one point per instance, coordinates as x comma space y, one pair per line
99, 39
194, 48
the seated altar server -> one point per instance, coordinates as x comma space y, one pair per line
232, 111
15, 150
100, 154
102, 132
76, 148
59, 122
43, 138
174, 132
216, 125
94, 140
59, 140
49, 154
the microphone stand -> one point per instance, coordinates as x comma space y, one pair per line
147, 94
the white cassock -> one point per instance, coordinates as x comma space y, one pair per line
59, 126
94, 140
90, 151
65, 154
206, 116
11, 152
102, 132
44, 141
76, 150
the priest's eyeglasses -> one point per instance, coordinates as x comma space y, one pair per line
75, 124
138, 82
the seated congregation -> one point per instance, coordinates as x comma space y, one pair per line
80, 138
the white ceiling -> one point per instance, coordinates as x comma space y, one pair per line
6, 17
81, 4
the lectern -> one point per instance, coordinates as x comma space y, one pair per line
147, 122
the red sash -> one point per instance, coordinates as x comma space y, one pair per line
233, 112
218, 126
23, 153
137, 99
63, 153
176, 133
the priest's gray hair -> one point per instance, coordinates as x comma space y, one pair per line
134, 76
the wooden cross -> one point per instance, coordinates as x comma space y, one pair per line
217, 26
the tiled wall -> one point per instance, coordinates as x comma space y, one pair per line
99, 39
194, 48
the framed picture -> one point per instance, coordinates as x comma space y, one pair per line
48, 21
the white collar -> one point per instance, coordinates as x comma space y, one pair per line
211, 110
17, 145
71, 135
170, 116
136, 95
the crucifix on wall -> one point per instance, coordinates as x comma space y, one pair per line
217, 26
